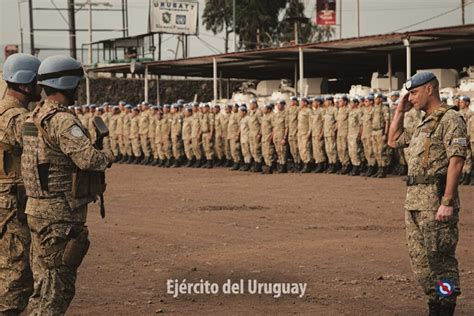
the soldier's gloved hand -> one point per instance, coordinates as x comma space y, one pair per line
444, 213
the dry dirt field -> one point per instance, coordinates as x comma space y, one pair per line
342, 235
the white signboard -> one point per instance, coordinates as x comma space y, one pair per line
175, 17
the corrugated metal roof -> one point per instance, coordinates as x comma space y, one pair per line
449, 47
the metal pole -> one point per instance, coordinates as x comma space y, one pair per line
390, 72
88, 90
408, 53
233, 23
158, 89
358, 18
295, 85
72, 28
90, 33
32, 35
146, 83
301, 71
126, 16
463, 17
123, 18
340, 19
21, 26
214, 66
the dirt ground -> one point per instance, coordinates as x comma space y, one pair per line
344, 236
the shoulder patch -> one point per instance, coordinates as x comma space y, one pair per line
460, 141
77, 132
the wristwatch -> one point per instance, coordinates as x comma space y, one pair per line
446, 201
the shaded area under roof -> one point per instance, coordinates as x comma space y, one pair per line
449, 47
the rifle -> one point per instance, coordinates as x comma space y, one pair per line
102, 131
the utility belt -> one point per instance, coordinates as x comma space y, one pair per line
438, 180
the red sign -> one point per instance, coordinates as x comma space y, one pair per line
326, 12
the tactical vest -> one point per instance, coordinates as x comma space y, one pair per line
47, 171
10, 155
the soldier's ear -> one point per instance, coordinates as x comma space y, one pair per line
429, 89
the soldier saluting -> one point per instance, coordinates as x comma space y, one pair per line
437, 148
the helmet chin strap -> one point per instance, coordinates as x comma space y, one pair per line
32, 97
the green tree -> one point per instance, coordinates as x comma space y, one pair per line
217, 17
307, 31
257, 22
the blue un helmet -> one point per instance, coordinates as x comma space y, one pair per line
60, 72
21, 68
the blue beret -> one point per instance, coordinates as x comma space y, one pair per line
167, 106
282, 101
243, 108
305, 99
370, 97
269, 106
466, 99
379, 95
344, 97
294, 98
419, 79
318, 99
128, 106
395, 93
174, 105
329, 97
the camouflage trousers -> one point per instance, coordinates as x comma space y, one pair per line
331, 151
188, 148
355, 150
255, 148
432, 247
219, 147
342, 149
136, 149
268, 151
319, 153
114, 145
57, 250
235, 150
16, 279
304, 148
368, 150
207, 145
293, 144
379, 148
246, 154
280, 149
197, 147
177, 147
145, 145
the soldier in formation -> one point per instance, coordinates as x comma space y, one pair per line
326, 134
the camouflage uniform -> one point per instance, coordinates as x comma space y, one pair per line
292, 133
114, 147
159, 139
207, 131
56, 210
187, 137
244, 126
219, 137
255, 142
353, 136
151, 135
330, 114
166, 135
380, 118
143, 127
432, 244
176, 134
317, 135
466, 114
119, 133
196, 135
342, 132
280, 125
367, 135
268, 150
224, 122
303, 134
16, 279
232, 136
134, 135
106, 141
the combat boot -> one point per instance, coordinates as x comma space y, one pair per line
467, 179
446, 309
433, 309
265, 169
190, 163
137, 160
235, 166
283, 169
155, 162
118, 158
123, 158
167, 163
210, 164
176, 163
305, 169
258, 167
331, 169
355, 171
383, 173
245, 167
